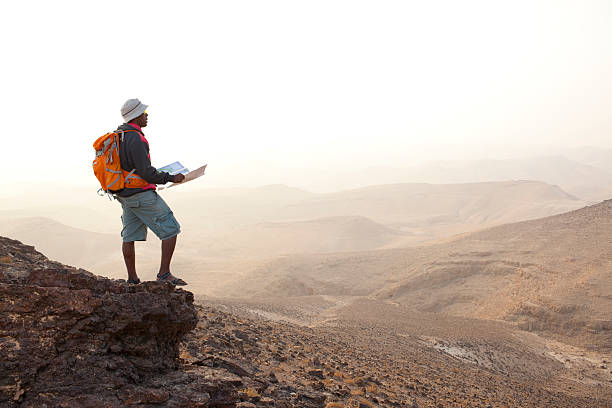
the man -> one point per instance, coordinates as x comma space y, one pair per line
142, 207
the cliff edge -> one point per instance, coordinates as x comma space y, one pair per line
68, 337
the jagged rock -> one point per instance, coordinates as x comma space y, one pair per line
311, 397
66, 332
232, 367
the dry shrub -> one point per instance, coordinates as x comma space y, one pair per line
334, 405
357, 391
371, 388
6, 259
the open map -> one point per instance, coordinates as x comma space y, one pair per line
176, 168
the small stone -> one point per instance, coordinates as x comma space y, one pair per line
241, 335
317, 373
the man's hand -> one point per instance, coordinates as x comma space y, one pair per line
178, 178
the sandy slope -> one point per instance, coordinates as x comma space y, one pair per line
551, 275
376, 354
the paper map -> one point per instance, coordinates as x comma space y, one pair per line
189, 175
174, 168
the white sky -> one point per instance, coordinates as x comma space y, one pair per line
261, 89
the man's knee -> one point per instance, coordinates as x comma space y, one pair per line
171, 239
127, 248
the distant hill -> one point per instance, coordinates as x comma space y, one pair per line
590, 179
330, 234
592, 156
552, 274
221, 227
409, 205
69, 245
424, 212
102, 218
584, 181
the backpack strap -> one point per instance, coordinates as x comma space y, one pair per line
129, 176
122, 132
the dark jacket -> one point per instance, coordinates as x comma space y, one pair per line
134, 154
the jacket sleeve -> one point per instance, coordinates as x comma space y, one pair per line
138, 155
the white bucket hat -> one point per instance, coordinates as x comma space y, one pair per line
132, 109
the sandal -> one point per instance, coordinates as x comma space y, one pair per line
134, 282
169, 278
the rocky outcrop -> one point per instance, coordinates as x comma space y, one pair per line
70, 338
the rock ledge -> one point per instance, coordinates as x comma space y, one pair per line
66, 332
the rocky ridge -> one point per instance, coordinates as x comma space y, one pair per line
70, 338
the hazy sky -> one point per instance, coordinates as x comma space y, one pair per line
258, 87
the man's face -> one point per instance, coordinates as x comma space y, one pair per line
141, 120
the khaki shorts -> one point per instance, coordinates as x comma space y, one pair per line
147, 210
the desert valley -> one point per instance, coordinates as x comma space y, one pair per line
495, 293
397, 204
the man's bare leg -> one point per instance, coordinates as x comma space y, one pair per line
167, 250
129, 256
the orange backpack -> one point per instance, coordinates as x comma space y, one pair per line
107, 165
